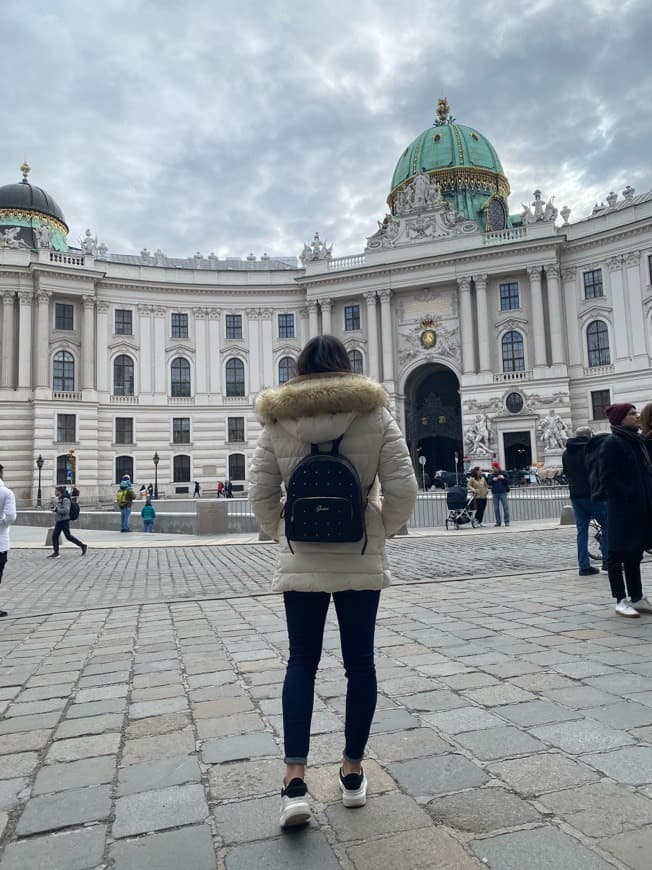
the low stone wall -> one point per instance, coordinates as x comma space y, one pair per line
181, 524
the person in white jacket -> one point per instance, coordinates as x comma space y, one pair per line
7, 517
324, 402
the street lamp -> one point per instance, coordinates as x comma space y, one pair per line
156, 459
39, 465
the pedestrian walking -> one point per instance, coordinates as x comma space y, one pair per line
197, 492
479, 488
7, 517
328, 406
61, 509
627, 474
150, 490
148, 513
228, 489
220, 489
574, 463
499, 485
598, 491
125, 498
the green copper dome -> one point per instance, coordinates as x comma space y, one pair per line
464, 164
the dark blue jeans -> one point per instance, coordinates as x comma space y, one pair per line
585, 510
306, 616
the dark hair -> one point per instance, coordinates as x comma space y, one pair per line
59, 489
477, 473
323, 353
646, 423
2, 470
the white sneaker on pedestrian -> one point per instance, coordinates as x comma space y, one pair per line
643, 606
354, 789
624, 608
295, 809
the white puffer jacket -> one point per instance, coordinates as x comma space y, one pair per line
7, 515
316, 409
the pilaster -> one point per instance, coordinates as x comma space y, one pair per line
622, 338
326, 308
557, 344
538, 319
87, 343
8, 300
387, 338
267, 334
25, 300
254, 349
313, 318
373, 362
215, 363
466, 325
161, 373
482, 324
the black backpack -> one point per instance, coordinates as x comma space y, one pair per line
324, 500
74, 509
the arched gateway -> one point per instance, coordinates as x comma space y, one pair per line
433, 418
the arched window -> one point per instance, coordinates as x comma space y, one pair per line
66, 469
355, 358
63, 372
597, 342
513, 352
181, 469
124, 465
236, 466
180, 377
123, 376
287, 368
235, 377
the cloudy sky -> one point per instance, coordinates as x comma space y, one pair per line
213, 125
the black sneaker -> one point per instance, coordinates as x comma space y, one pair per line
84, 547
605, 567
584, 572
295, 809
53, 556
354, 789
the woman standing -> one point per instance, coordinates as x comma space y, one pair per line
327, 401
477, 484
626, 471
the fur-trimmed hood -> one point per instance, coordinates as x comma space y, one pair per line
320, 407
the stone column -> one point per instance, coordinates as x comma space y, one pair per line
145, 339
313, 318
267, 340
538, 320
102, 354
557, 343
161, 372
43, 339
466, 324
326, 306
214, 339
570, 294
25, 299
302, 333
254, 350
373, 363
622, 338
87, 343
386, 330
201, 353
482, 326
635, 310
8, 298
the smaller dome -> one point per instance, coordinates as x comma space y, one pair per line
27, 197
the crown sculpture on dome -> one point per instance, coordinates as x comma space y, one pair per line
443, 113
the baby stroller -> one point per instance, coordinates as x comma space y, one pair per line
458, 502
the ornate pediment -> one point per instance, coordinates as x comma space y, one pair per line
511, 322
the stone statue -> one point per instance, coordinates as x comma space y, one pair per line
88, 244
553, 431
539, 211
317, 250
43, 236
420, 187
478, 436
9, 238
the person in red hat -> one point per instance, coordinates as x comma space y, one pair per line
626, 470
499, 484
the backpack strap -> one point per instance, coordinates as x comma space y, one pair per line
334, 451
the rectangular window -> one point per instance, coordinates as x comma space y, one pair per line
179, 325
123, 322
66, 427
286, 326
593, 284
124, 430
235, 429
181, 469
509, 296
63, 316
351, 318
236, 466
181, 430
233, 325
599, 401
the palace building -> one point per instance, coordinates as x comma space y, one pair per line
465, 311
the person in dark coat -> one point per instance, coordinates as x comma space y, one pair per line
646, 427
626, 471
499, 484
598, 492
573, 461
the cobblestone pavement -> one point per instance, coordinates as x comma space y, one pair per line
107, 577
514, 725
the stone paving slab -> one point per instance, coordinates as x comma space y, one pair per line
70, 850
512, 713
